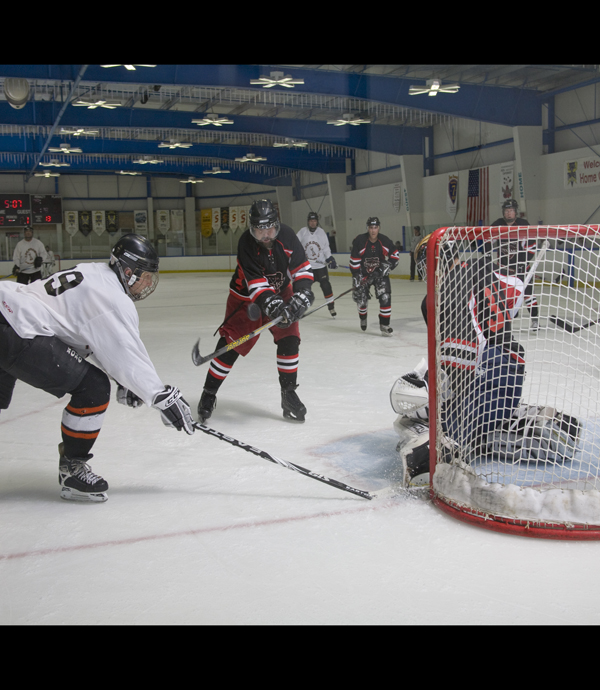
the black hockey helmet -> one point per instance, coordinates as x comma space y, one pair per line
510, 203
263, 215
373, 220
448, 254
312, 216
137, 254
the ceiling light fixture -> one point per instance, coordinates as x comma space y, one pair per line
276, 79
216, 171
78, 132
97, 104
250, 158
432, 88
348, 119
65, 148
212, 119
129, 67
192, 180
127, 172
148, 159
172, 144
46, 173
289, 143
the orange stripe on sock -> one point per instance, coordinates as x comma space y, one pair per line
78, 434
82, 411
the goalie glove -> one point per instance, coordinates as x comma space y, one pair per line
298, 304
127, 397
174, 410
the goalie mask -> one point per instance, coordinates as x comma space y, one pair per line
135, 262
448, 254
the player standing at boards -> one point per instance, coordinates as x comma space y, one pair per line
273, 274
49, 328
316, 247
516, 255
372, 257
28, 257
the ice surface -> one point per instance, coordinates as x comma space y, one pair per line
196, 531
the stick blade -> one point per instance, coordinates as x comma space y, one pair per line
563, 324
196, 357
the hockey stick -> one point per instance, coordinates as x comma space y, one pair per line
325, 303
197, 358
569, 327
283, 463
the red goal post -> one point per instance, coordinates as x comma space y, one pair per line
539, 477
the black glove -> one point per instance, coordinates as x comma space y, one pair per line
127, 397
15, 270
174, 410
37, 262
331, 262
299, 303
274, 306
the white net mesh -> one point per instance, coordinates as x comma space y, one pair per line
518, 430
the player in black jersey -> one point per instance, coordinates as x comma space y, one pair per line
515, 256
273, 273
372, 257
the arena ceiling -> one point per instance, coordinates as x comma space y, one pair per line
253, 123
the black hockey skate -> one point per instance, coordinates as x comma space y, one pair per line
291, 405
77, 480
331, 310
417, 465
363, 323
207, 404
386, 330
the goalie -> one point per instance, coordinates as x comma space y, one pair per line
482, 370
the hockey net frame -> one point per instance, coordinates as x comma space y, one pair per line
562, 505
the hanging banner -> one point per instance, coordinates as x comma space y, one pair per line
244, 214
225, 219
72, 222
112, 222
177, 218
206, 222
234, 218
85, 223
507, 173
163, 221
452, 196
216, 219
140, 221
397, 196
98, 222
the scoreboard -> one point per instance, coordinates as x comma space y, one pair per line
17, 210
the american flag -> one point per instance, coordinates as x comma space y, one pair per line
478, 197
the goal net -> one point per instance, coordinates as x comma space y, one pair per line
513, 338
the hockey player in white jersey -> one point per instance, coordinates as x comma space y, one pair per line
50, 327
316, 247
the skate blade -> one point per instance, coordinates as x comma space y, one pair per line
82, 496
289, 415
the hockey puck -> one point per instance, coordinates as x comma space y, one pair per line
253, 311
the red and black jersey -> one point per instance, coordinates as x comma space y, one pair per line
366, 256
515, 255
478, 302
260, 272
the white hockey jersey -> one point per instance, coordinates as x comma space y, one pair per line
27, 252
87, 308
316, 246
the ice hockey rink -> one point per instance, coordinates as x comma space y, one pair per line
198, 532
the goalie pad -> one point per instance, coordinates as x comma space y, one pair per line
413, 451
411, 393
536, 433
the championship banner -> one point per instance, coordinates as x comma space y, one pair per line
163, 221
452, 196
112, 222
216, 219
177, 220
397, 197
225, 219
206, 222
85, 223
72, 222
140, 221
98, 222
582, 173
234, 218
507, 174
244, 214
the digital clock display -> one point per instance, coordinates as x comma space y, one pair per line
46, 209
15, 210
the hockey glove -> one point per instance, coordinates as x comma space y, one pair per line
174, 410
360, 289
15, 270
299, 303
331, 262
274, 306
127, 397
37, 262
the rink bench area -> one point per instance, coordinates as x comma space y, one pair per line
219, 263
